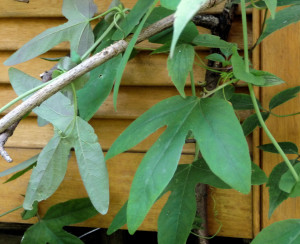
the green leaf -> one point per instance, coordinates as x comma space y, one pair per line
157, 14
180, 65
170, 4
272, 5
49, 171
186, 9
20, 173
211, 120
212, 41
285, 231
132, 19
49, 229
287, 147
28, 214
255, 77
276, 196
57, 109
287, 181
119, 220
215, 57
98, 87
258, 176
225, 93
177, 216
284, 96
241, 101
128, 51
77, 31
20, 166
252, 122
283, 18
91, 164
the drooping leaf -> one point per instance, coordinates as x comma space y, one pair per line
186, 9
20, 166
215, 57
252, 122
28, 214
77, 31
283, 18
57, 109
276, 196
91, 164
49, 171
119, 220
287, 180
188, 34
255, 77
272, 5
242, 101
98, 87
284, 96
49, 229
176, 218
132, 19
285, 231
287, 147
20, 173
212, 129
128, 51
180, 65
258, 176
212, 41
170, 4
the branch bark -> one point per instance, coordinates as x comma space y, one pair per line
120, 46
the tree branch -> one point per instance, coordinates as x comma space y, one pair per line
84, 67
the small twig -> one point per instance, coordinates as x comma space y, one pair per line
23, 1
3, 138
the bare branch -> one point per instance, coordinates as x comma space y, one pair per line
84, 67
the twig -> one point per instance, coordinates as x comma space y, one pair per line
84, 67
23, 1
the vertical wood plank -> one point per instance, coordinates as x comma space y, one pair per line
280, 55
256, 28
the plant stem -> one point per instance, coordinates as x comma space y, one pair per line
262, 29
219, 88
109, 28
286, 115
10, 211
193, 83
253, 98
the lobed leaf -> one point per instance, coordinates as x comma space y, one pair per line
284, 96
91, 164
49, 171
77, 31
180, 65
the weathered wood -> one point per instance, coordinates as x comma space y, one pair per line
232, 207
132, 101
138, 72
280, 55
44, 8
16, 32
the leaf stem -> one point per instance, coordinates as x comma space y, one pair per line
253, 98
219, 88
10, 211
193, 83
286, 115
109, 28
105, 13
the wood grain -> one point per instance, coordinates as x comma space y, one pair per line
138, 71
16, 32
132, 101
232, 207
280, 55
46, 8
